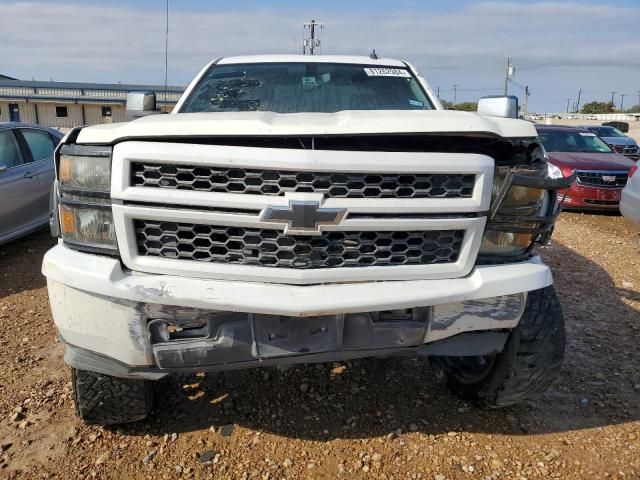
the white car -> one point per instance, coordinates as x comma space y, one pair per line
630, 200
297, 209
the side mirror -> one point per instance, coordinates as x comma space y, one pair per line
499, 106
141, 104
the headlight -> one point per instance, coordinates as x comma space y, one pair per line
554, 171
90, 226
85, 168
84, 180
513, 228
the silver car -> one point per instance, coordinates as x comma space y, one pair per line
26, 177
630, 201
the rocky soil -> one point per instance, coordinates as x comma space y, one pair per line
363, 419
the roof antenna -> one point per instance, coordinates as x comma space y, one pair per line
373, 55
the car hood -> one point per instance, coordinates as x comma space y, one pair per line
619, 140
591, 161
349, 122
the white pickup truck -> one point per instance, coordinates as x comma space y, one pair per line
298, 209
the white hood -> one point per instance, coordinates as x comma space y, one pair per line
352, 122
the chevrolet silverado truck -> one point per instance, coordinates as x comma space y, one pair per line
299, 209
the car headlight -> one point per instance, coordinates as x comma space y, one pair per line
84, 181
509, 234
85, 168
523, 204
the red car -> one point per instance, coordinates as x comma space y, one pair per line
601, 173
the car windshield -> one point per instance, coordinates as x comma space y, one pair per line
305, 87
572, 141
607, 131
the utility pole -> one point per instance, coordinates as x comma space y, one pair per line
578, 102
508, 73
526, 99
455, 93
311, 43
622, 95
568, 100
613, 105
438, 94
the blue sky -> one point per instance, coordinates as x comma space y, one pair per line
558, 47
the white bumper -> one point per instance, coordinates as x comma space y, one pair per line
100, 307
104, 276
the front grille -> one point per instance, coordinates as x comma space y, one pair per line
602, 179
272, 248
277, 183
630, 150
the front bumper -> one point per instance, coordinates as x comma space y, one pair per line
105, 311
590, 198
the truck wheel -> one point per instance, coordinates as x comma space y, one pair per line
525, 368
103, 399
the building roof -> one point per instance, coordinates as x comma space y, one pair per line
5, 77
125, 87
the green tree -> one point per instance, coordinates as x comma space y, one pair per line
597, 107
634, 109
447, 104
467, 106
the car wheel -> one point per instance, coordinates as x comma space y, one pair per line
104, 400
525, 368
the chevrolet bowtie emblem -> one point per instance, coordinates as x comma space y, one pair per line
303, 217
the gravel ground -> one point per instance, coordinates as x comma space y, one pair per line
363, 419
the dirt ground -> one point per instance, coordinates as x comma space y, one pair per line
363, 419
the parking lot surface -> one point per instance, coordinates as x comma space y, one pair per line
381, 419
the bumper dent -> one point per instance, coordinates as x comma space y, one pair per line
105, 276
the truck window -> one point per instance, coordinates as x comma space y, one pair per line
306, 87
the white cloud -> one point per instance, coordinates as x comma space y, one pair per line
557, 47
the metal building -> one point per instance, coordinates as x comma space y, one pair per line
68, 104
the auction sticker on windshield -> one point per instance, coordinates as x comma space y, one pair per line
387, 72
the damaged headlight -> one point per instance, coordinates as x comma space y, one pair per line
523, 209
84, 202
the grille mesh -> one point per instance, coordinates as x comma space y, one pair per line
596, 179
271, 248
276, 183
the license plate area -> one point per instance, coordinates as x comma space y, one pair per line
612, 195
279, 336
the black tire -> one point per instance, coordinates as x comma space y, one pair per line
106, 400
525, 368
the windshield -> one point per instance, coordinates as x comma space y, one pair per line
305, 87
572, 141
607, 131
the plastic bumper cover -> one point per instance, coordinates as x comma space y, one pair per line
107, 312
